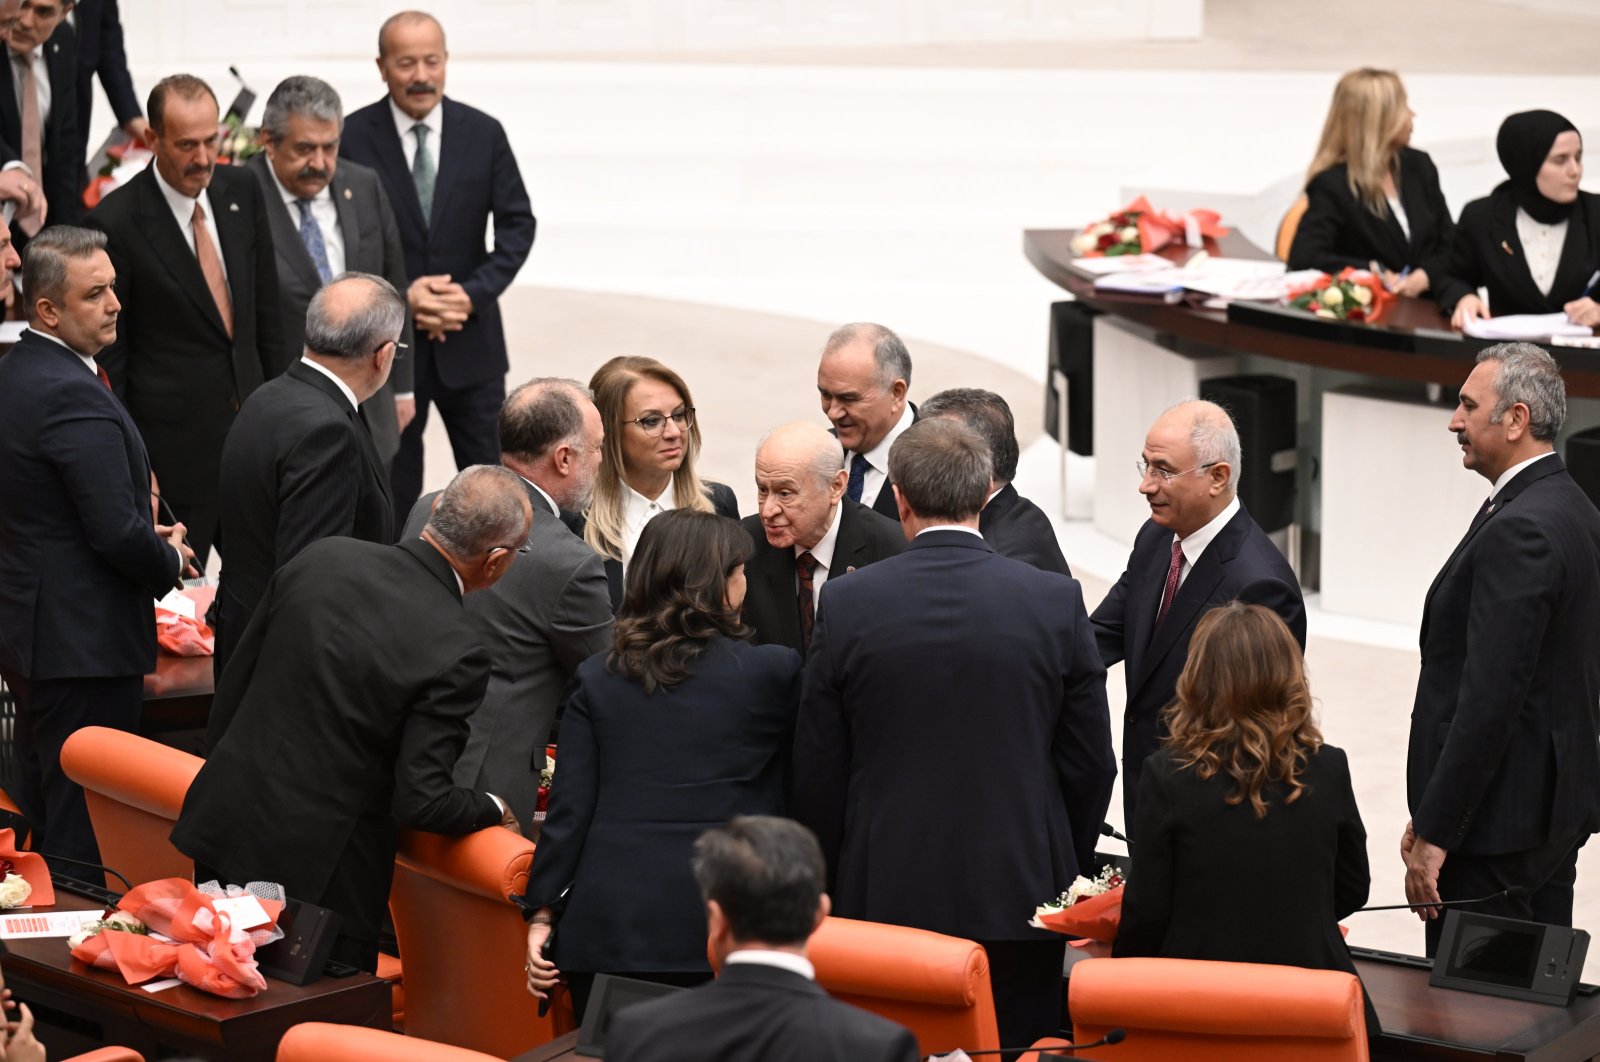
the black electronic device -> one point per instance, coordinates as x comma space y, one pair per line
609, 995
308, 935
1509, 957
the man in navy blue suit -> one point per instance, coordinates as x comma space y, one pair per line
80, 557
1199, 549
953, 749
449, 171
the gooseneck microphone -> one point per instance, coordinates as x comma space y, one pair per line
1115, 1036
1108, 830
1514, 892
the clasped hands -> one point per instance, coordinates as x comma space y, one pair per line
1423, 861
438, 305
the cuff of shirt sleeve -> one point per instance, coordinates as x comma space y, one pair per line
408, 394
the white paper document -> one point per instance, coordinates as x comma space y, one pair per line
1526, 326
46, 923
1121, 263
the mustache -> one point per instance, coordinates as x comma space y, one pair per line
311, 173
197, 169
1461, 438
421, 88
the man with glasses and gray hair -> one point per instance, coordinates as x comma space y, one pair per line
1505, 737
1199, 548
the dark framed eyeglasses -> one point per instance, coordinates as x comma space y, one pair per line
656, 423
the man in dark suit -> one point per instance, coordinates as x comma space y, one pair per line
1012, 524
345, 708
39, 110
449, 171
952, 666
299, 464
862, 380
1503, 761
1198, 549
762, 879
333, 219
806, 532
79, 556
200, 326
101, 54
552, 611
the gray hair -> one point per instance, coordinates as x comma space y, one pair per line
44, 263
304, 96
987, 414
889, 354
541, 415
483, 507
942, 469
1528, 374
827, 455
378, 320
1213, 437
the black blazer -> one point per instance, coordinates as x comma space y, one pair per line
1503, 754
1338, 230
101, 51
723, 503
477, 182
298, 466
883, 504
639, 777
79, 557
1017, 528
772, 594
341, 715
1212, 881
755, 1011
1486, 252
63, 145
371, 245
1241, 562
953, 753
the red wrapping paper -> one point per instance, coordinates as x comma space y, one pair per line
1092, 918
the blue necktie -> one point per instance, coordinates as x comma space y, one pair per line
858, 476
311, 236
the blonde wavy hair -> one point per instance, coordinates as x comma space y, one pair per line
611, 383
1365, 119
1244, 706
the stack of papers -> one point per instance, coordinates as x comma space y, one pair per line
1526, 326
1224, 278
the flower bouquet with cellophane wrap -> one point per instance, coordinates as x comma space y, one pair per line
1350, 295
170, 928
1090, 910
1139, 228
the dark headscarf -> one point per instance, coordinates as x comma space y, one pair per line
1524, 143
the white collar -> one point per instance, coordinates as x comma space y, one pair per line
1198, 540
637, 502
878, 456
329, 373
783, 960
555, 510
87, 359
290, 199
950, 527
822, 552
1511, 473
403, 122
176, 200
32, 56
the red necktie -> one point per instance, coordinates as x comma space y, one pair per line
103, 377
805, 566
1171, 589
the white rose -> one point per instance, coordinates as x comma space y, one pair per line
124, 921
1129, 234
1361, 294
1083, 243
1332, 296
14, 891
1326, 313
89, 930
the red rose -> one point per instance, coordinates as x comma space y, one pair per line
1108, 240
6, 867
1357, 314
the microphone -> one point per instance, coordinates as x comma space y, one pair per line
1108, 830
1115, 1036
1514, 892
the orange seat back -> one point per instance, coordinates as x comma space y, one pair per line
316, 1041
135, 789
1288, 227
108, 1054
1239, 1011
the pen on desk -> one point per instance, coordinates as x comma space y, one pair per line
1506, 247
1588, 289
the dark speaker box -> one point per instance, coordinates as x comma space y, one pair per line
1071, 351
1583, 461
1263, 409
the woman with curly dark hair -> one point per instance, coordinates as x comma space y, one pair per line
1249, 846
679, 727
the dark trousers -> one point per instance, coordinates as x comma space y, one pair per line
471, 417
48, 711
187, 459
1549, 873
1026, 978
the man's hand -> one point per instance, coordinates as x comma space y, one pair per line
174, 533
1423, 861
438, 305
542, 973
1583, 312
405, 411
22, 188
1469, 308
137, 127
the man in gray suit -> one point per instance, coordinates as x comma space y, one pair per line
552, 611
328, 216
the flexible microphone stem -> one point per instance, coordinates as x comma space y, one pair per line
47, 857
1115, 1036
1515, 892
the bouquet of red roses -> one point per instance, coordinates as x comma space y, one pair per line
1352, 295
1139, 228
1090, 910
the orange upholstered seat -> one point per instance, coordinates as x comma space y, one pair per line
135, 789
317, 1041
1288, 227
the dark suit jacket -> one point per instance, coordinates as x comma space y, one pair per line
723, 503
772, 594
478, 181
79, 557
953, 753
883, 504
63, 145
371, 245
1503, 753
1479, 258
342, 714
1017, 528
1338, 230
545, 616
1241, 562
753, 1011
101, 52
639, 777
1306, 864
298, 466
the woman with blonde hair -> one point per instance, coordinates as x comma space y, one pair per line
647, 463
1249, 846
1372, 199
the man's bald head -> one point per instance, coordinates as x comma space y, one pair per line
800, 478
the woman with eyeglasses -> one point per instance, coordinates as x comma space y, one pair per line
647, 465
681, 726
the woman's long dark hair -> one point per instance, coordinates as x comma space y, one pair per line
675, 600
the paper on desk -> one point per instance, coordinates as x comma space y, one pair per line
177, 602
1121, 263
46, 923
1525, 326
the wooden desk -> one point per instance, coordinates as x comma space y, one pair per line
43, 974
177, 694
562, 1049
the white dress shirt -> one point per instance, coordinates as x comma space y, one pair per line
783, 960
877, 473
822, 553
182, 208
344, 388
404, 125
637, 510
1399, 211
950, 527
327, 215
1196, 543
1511, 473
1541, 248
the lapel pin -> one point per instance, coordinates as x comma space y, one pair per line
1490, 509
849, 568
233, 207
1506, 247
347, 193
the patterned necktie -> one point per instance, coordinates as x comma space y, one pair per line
422, 171
32, 141
311, 236
805, 566
1170, 591
858, 476
211, 267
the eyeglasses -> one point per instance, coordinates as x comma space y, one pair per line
525, 548
399, 349
656, 423
1145, 470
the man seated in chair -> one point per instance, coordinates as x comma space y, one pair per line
762, 879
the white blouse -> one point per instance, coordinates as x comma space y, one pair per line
1541, 246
